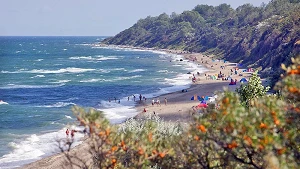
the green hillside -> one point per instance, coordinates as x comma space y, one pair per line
261, 37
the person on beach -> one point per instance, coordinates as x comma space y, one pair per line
140, 97
72, 134
166, 101
158, 102
128, 98
67, 133
133, 97
153, 102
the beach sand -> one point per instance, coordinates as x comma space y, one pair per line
179, 104
178, 108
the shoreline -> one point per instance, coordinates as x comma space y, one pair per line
179, 104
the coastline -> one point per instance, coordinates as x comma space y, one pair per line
178, 108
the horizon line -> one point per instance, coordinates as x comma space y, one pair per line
56, 35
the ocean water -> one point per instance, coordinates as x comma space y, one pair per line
41, 78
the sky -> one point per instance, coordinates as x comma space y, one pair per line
89, 17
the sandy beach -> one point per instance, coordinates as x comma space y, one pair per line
179, 106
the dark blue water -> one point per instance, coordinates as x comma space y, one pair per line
42, 77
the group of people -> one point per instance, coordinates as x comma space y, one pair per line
119, 101
72, 134
157, 102
140, 97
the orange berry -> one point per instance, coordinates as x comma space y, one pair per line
202, 128
162, 155
273, 113
225, 100
154, 152
261, 147
114, 148
248, 140
124, 148
196, 138
294, 71
101, 133
107, 131
113, 161
224, 112
276, 121
281, 151
232, 145
293, 89
122, 143
263, 126
141, 151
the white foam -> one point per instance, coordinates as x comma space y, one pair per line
91, 80
118, 48
117, 69
64, 70
37, 115
81, 58
61, 81
95, 58
116, 112
35, 147
69, 117
37, 76
163, 71
13, 86
38, 60
3, 102
126, 78
179, 80
58, 104
136, 70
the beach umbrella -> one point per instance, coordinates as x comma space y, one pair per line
243, 80
204, 105
195, 97
201, 98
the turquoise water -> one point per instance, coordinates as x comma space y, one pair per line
42, 77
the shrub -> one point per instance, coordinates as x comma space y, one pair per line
263, 135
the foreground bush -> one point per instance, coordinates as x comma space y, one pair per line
263, 134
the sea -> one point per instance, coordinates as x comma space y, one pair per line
41, 78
